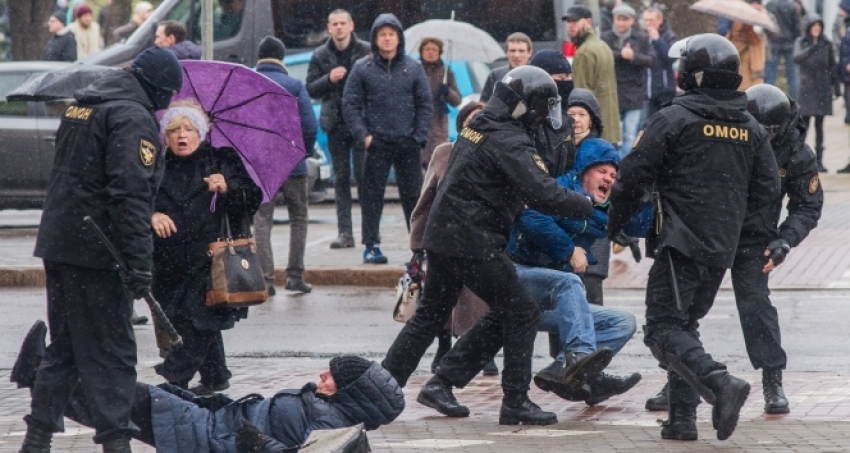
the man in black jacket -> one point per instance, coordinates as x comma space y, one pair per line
518, 47
62, 45
326, 78
494, 172
107, 166
708, 162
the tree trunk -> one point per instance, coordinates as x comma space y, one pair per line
27, 27
119, 14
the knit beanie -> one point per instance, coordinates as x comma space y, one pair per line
60, 17
551, 61
82, 10
271, 47
346, 369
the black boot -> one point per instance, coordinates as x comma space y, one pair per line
444, 344
29, 357
730, 394
845, 169
775, 401
575, 371
36, 440
681, 423
491, 369
121, 445
518, 409
604, 386
437, 394
819, 155
658, 402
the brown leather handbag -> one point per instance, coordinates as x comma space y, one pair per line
236, 277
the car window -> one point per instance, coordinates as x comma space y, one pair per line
298, 71
9, 82
55, 109
227, 18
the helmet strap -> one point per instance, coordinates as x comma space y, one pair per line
519, 110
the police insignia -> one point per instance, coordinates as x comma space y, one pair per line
540, 164
782, 172
814, 183
147, 152
637, 139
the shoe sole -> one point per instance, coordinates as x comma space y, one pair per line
511, 420
687, 435
777, 410
725, 428
34, 336
656, 407
593, 401
426, 401
594, 363
549, 386
346, 246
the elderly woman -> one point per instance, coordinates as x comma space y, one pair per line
444, 92
200, 185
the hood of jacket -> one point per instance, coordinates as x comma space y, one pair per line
811, 20
721, 105
121, 86
374, 399
380, 21
592, 151
585, 98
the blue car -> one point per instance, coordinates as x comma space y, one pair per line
469, 75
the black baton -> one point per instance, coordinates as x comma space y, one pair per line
159, 318
674, 280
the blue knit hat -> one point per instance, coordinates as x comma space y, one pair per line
160, 68
553, 61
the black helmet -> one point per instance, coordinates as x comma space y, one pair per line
770, 107
538, 94
707, 60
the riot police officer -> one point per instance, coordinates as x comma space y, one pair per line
493, 173
107, 167
707, 161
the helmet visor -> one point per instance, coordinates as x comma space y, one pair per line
678, 48
555, 112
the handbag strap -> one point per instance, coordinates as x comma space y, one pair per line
225, 233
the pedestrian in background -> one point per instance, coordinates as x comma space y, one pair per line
295, 191
387, 105
752, 48
108, 166
815, 55
519, 48
444, 93
86, 32
787, 16
141, 12
172, 35
633, 55
326, 76
201, 185
62, 46
661, 81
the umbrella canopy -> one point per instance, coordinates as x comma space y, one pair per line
60, 84
251, 113
467, 42
737, 10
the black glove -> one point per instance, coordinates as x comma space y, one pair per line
621, 239
249, 438
138, 282
778, 249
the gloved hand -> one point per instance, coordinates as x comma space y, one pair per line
633, 244
443, 92
138, 282
777, 250
249, 438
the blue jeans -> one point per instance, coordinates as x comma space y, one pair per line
564, 310
771, 67
631, 120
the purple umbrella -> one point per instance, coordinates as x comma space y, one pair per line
250, 113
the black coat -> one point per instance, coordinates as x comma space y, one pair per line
818, 79
107, 166
493, 173
798, 173
662, 80
319, 85
709, 160
496, 75
787, 17
61, 47
631, 74
181, 263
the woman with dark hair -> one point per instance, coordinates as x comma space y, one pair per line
444, 92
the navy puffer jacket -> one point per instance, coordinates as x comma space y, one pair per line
180, 425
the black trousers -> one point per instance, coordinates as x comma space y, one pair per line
759, 318
671, 330
202, 352
79, 410
379, 158
343, 153
92, 347
818, 130
512, 321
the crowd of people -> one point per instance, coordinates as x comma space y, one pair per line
560, 164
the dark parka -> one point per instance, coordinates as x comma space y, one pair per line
319, 85
816, 63
798, 173
709, 160
62, 46
495, 76
181, 426
493, 173
107, 166
631, 74
390, 100
181, 263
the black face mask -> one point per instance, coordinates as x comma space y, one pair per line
565, 87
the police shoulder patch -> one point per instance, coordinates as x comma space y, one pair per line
782, 172
147, 153
814, 183
539, 162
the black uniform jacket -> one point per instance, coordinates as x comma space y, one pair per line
107, 166
798, 171
494, 172
709, 160
557, 147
